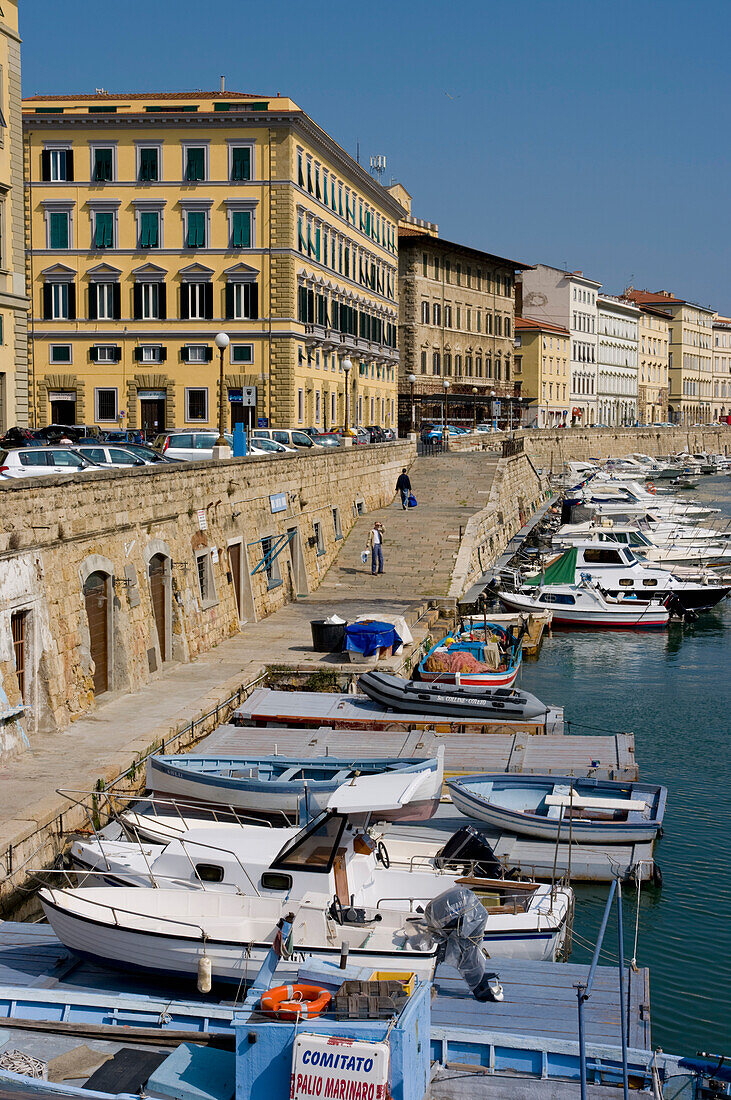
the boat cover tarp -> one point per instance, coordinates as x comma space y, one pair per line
370, 637
562, 571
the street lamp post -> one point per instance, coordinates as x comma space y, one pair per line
221, 448
474, 408
492, 410
445, 433
412, 383
347, 367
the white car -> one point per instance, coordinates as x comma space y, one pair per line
37, 461
109, 455
257, 445
192, 446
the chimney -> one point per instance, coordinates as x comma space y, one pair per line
223, 83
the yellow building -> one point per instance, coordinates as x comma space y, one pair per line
542, 360
158, 220
690, 358
654, 360
13, 301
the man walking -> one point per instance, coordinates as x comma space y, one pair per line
404, 487
375, 545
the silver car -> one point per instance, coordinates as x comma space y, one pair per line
39, 461
109, 455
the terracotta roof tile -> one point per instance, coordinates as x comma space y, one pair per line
532, 324
104, 96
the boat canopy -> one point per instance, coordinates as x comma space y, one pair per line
374, 793
562, 571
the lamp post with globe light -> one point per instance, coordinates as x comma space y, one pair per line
347, 367
474, 408
221, 448
492, 410
445, 430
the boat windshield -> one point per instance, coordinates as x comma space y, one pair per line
314, 847
637, 539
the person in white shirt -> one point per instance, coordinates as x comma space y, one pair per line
375, 545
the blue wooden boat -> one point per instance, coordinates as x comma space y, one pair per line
486, 656
591, 810
267, 784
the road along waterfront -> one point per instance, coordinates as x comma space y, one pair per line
672, 690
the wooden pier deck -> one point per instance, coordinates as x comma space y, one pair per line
267, 707
605, 757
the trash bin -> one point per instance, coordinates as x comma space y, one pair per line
327, 637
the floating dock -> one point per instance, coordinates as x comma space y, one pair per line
267, 707
603, 757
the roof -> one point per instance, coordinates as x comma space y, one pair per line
528, 324
418, 235
653, 297
101, 96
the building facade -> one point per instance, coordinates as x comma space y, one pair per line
542, 365
156, 221
721, 400
456, 330
617, 361
13, 300
654, 352
568, 299
690, 359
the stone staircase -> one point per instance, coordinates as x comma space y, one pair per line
420, 545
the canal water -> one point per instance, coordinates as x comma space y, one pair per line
672, 690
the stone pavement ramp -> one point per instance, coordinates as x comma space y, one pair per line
420, 544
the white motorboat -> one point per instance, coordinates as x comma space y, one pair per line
585, 605
333, 862
618, 571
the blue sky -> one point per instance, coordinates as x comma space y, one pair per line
582, 133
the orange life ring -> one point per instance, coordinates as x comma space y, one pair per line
295, 1002
651, 488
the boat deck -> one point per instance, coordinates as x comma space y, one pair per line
540, 998
604, 757
266, 707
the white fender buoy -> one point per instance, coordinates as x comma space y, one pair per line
204, 974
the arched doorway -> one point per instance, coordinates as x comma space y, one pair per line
159, 574
97, 593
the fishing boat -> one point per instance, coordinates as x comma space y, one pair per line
488, 656
586, 605
451, 701
590, 810
270, 784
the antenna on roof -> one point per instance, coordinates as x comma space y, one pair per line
378, 166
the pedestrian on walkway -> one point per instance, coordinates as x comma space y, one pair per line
375, 545
404, 487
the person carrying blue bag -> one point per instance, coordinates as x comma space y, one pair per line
403, 486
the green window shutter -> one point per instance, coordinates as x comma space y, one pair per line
149, 230
300, 175
300, 236
241, 163
196, 229
241, 229
59, 230
195, 164
103, 230
148, 164
102, 165
317, 244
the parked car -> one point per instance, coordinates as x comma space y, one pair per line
20, 437
289, 437
38, 461
269, 446
329, 439
124, 435
313, 433
376, 433
390, 434
358, 435
110, 455
190, 446
142, 450
75, 432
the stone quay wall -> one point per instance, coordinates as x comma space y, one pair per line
583, 444
516, 492
198, 527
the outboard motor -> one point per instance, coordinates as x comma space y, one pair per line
468, 846
456, 921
